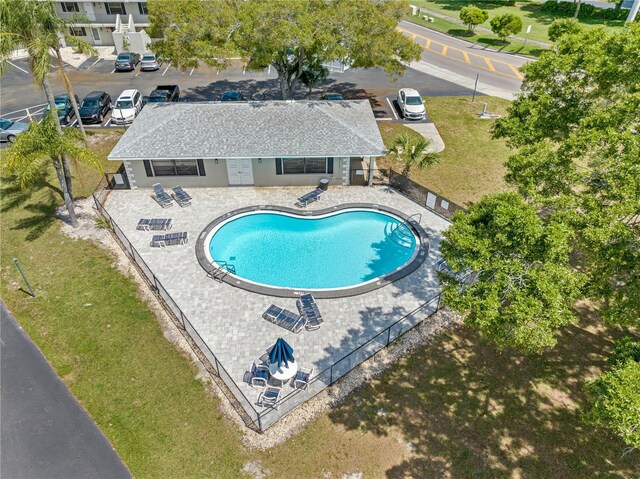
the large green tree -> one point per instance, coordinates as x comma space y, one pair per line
522, 289
286, 35
505, 25
576, 127
473, 16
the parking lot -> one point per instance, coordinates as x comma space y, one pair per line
21, 100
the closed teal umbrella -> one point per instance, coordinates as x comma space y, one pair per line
281, 353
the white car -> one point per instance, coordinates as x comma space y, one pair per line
127, 107
150, 62
411, 105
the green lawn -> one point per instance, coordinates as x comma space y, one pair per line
472, 163
529, 11
466, 409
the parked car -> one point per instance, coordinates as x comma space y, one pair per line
411, 105
9, 130
64, 108
127, 107
127, 61
95, 107
232, 95
150, 61
332, 96
164, 94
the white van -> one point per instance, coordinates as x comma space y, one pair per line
126, 107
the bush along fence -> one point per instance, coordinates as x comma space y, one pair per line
261, 420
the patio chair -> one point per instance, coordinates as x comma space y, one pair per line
314, 195
301, 379
308, 308
269, 397
181, 196
284, 318
161, 196
144, 224
259, 375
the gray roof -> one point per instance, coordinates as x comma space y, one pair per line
251, 130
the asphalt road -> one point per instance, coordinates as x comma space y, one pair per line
44, 432
495, 68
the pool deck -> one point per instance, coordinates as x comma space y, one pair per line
230, 320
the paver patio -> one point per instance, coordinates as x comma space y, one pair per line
230, 320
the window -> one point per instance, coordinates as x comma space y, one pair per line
301, 166
69, 7
142, 8
78, 31
114, 8
175, 167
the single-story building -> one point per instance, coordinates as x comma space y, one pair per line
274, 143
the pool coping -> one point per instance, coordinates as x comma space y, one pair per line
237, 282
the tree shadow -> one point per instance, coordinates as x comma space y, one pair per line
13, 197
459, 4
468, 410
41, 220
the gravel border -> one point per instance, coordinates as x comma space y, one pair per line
90, 229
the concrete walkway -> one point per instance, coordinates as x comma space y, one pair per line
430, 132
44, 432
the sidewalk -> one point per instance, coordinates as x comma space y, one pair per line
76, 59
430, 132
458, 79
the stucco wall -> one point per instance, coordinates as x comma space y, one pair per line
264, 174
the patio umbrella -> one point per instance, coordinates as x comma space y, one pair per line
281, 353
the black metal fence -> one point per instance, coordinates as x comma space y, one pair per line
420, 194
261, 421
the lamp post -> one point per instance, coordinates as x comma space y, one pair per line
15, 260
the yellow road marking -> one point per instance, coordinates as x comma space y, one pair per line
489, 64
445, 49
516, 72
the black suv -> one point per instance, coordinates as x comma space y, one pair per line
95, 107
127, 61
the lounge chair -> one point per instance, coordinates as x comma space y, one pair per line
161, 196
269, 397
259, 375
170, 239
308, 309
284, 318
159, 224
304, 200
181, 196
302, 378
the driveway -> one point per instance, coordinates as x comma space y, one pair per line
44, 432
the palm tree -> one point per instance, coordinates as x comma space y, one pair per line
410, 150
28, 158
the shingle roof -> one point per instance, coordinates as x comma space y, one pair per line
251, 130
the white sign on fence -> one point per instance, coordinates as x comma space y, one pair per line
431, 200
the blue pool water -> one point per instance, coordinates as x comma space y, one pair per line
336, 251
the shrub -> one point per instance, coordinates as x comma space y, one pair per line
473, 16
505, 25
563, 26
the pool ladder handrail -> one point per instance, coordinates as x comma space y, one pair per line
220, 270
406, 223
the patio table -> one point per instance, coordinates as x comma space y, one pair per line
283, 373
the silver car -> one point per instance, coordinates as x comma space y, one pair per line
150, 61
10, 129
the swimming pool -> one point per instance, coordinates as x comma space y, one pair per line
334, 250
